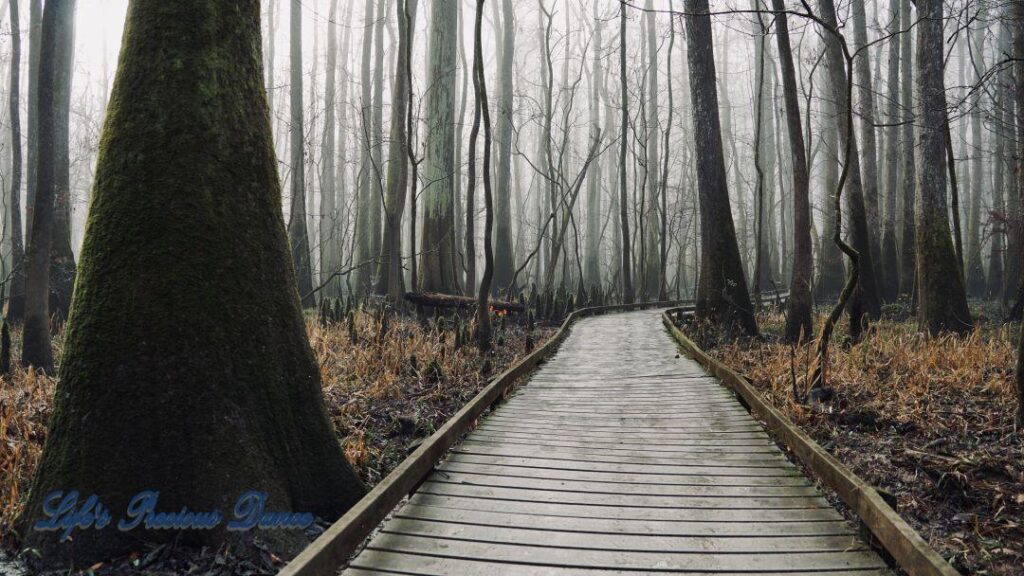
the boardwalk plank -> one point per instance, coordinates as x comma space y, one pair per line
618, 458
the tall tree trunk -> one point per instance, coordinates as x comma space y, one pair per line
798, 318
55, 61
663, 192
908, 267
764, 164
830, 259
16, 292
1018, 51
652, 251
329, 263
865, 301
366, 188
869, 147
35, 22
297, 232
437, 270
226, 361
592, 258
975, 273
504, 256
340, 222
996, 275
62, 258
375, 199
942, 303
890, 281
1014, 188
722, 296
626, 265
389, 275
483, 313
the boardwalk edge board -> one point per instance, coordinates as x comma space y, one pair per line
334, 547
910, 552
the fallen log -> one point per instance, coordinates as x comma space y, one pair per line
436, 300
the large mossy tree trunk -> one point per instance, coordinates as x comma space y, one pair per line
298, 234
942, 302
437, 257
16, 289
55, 60
798, 318
722, 295
186, 329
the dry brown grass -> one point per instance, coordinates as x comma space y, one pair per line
929, 420
383, 394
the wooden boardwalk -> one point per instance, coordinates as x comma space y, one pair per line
617, 458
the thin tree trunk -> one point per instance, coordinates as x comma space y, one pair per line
798, 318
504, 256
55, 62
483, 313
365, 188
626, 265
652, 174
975, 272
1018, 50
35, 21
297, 231
62, 258
592, 260
869, 147
908, 266
16, 291
328, 187
389, 275
890, 287
865, 301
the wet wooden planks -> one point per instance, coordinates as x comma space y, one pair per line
618, 458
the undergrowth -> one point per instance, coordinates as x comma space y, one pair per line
385, 390
929, 420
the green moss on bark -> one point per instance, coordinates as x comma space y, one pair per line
186, 364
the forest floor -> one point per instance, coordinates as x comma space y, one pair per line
927, 420
385, 390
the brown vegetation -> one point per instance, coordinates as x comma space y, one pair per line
929, 420
385, 390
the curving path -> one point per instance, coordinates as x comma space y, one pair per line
617, 458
